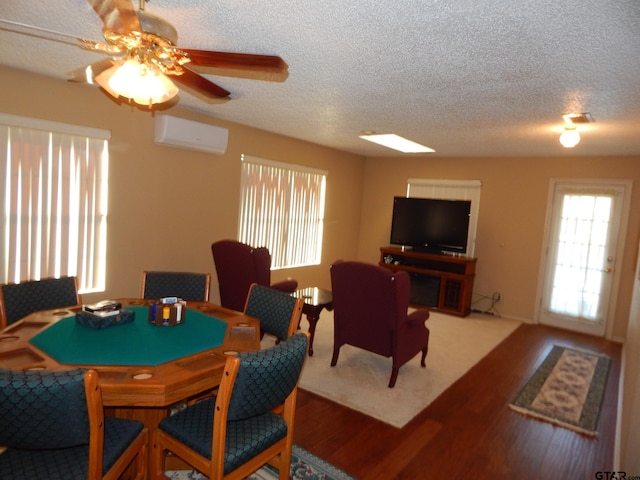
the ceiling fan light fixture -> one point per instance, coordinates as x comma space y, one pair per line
142, 83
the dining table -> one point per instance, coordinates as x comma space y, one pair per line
145, 369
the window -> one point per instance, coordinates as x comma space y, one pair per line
54, 201
282, 208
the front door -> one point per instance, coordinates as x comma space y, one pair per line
581, 254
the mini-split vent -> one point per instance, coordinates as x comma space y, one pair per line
584, 117
181, 132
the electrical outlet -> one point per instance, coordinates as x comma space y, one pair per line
497, 297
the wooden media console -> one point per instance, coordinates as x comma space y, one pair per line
439, 282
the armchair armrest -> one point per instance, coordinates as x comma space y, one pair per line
288, 286
417, 317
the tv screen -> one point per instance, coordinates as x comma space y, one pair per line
431, 225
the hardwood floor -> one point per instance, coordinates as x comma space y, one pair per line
469, 431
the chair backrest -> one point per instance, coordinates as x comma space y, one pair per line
186, 285
369, 301
17, 300
52, 424
238, 265
279, 313
43, 410
265, 378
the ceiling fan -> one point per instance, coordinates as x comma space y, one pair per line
144, 56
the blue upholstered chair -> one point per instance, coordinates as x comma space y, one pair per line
17, 300
53, 426
279, 313
186, 285
247, 425
239, 265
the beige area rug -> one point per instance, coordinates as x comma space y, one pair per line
360, 378
567, 389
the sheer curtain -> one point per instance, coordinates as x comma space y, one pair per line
282, 208
54, 204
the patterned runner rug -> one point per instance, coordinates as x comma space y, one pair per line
567, 389
304, 465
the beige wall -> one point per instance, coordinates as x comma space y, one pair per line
167, 205
511, 220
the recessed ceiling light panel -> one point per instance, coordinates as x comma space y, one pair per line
396, 142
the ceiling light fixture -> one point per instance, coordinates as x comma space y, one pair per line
396, 142
573, 118
570, 137
143, 83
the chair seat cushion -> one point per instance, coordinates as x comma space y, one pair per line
60, 464
193, 427
68, 463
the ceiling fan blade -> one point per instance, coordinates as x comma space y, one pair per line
236, 61
117, 15
196, 81
88, 73
37, 32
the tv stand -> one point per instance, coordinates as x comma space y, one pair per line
439, 282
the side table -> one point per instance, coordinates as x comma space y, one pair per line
315, 299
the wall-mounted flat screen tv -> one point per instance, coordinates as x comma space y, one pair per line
431, 225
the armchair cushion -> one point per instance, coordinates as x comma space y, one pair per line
418, 317
287, 286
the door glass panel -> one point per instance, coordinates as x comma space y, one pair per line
581, 252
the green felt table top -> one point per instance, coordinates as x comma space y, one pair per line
135, 343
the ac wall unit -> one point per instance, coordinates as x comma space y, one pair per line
181, 132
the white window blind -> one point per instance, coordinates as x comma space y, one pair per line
451, 190
54, 201
282, 208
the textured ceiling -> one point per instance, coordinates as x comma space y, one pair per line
464, 77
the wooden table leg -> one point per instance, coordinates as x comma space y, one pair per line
313, 315
150, 416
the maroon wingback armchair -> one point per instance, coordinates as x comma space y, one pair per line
370, 311
238, 265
